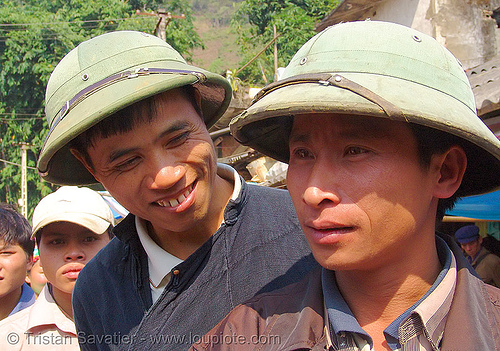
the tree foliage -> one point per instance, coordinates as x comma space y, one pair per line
34, 36
294, 20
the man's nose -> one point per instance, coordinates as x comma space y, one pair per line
317, 196
322, 186
165, 176
74, 253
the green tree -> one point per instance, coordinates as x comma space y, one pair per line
295, 21
34, 36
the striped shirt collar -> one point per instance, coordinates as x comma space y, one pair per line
421, 324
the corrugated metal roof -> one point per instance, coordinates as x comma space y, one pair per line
485, 82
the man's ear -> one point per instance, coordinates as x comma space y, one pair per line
80, 157
450, 167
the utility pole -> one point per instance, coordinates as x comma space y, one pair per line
275, 55
23, 201
164, 19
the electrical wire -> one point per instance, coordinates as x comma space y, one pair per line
15, 164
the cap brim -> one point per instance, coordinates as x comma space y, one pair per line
56, 163
263, 126
94, 223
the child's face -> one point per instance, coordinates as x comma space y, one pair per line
36, 278
65, 248
13, 267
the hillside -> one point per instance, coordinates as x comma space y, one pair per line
212, 22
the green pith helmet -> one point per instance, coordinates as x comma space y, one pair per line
379, 69
106, 74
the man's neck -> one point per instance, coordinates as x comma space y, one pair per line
9, 301
63, 301
378, 297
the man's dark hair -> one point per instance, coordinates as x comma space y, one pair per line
15, 229
125, 120
431, 142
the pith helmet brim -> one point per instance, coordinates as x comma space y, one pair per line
150, 71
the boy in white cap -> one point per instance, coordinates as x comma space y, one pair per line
70, 226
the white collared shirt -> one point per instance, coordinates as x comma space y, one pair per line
42, 326
161, 262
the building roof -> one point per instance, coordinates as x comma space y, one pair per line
485, 83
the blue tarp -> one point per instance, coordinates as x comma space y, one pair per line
486, 206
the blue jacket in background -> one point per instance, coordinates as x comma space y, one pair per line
260, 247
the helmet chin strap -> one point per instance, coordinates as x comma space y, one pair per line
337, 80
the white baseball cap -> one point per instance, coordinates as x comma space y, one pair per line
82, 206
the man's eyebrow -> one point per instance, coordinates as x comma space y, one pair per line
119, 153
297, 138
174, 127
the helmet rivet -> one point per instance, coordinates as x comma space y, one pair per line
338, 78
416, 38
85, 76
303, 61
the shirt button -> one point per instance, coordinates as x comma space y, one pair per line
176, 272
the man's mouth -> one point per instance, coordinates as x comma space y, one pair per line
175, 202
72, 273
335, 230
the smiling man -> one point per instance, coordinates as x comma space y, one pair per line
378, 125
70, 226
126, 110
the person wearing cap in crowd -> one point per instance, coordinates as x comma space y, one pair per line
16, 254
378, 125
126, 110
70, 226
485, 263
35, 277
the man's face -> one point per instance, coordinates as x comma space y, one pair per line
473, 247
360, 193
13, 267
163, 171
65, 248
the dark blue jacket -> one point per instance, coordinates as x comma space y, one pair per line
259, 248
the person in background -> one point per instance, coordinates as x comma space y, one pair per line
35, 277
485, 263
70, 226
378, 124
126, 110
16, 254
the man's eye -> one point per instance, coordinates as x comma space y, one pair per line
127, 164
89, 239
56, 242
178, 140
301, 153
355, 150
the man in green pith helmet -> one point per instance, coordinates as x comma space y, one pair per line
126, 110
378, 125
